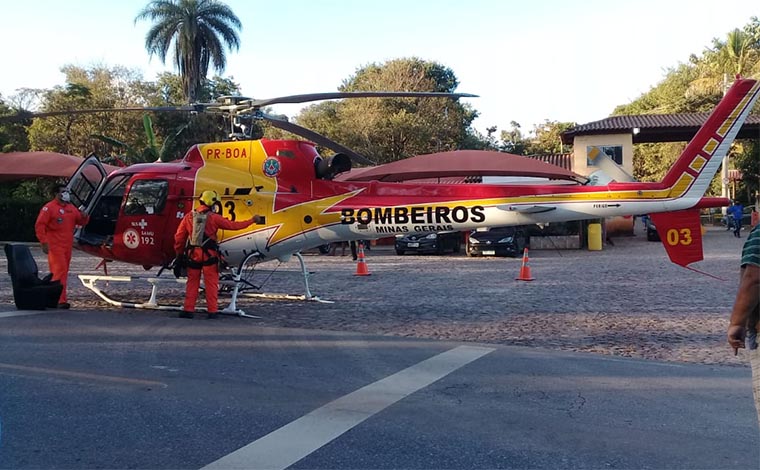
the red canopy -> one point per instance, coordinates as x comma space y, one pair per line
24, 165
460, 163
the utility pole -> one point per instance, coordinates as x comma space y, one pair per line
724, 165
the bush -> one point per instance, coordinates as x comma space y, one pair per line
20, 216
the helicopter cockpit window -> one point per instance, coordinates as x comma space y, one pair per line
146, 197
107, 208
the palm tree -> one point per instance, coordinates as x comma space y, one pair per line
738, 51
737, 55
197, 29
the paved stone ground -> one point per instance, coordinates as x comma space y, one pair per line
627, 300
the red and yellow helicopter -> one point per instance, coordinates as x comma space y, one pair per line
135, 211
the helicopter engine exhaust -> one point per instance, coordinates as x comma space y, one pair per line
328, 168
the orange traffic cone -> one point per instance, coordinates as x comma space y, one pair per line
524, 269
361, 264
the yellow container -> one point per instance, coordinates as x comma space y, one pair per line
594, 237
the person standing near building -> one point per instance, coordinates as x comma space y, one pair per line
735, 212
196, 240
55, 230
745, 316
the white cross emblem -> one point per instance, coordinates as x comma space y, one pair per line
142, 224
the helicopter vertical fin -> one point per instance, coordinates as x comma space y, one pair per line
692, 173
681, 231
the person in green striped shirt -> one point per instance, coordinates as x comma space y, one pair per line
745, 316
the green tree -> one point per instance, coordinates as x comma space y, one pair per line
736, 55
475, 140
748, 162
513, 141
25, 99
388, 129
152, 152
696, 87
321, 117
674, 94
739, 51
652, 161
167, 90
98, 87
13, 136
547, 138
197, 31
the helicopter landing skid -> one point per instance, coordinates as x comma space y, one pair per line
274, 296
242, 278
90, 282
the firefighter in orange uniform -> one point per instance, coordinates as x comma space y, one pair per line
196, 240
55, 230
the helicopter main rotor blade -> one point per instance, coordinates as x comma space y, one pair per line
317, 139
354, 94
239, 104
30, 115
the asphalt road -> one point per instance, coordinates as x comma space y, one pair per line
313, 385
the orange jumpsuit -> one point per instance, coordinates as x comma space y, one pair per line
55, 226
210, 272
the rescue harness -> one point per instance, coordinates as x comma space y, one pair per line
199, 239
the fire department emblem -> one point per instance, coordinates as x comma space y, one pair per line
271, 167
131, 238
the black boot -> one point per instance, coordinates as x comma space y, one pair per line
211, 316
184, 314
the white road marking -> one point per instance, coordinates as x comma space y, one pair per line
294, 441
20, 313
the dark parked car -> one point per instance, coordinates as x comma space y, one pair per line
497, 241
652, 234
436, 242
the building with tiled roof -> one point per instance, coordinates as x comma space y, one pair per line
562, 160
615, 136
651, 128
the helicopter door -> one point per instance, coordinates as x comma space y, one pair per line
143, 220
87, 183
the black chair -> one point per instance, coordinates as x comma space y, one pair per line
30, 292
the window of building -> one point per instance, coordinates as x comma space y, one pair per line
615, 152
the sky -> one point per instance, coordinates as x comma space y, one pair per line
528, 61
